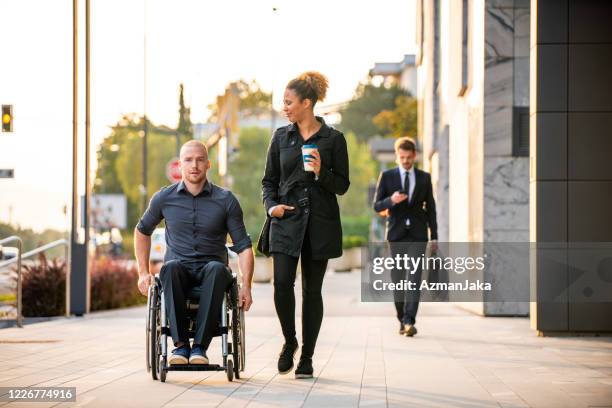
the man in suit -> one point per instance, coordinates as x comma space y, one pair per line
404, 195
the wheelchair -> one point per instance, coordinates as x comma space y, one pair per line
232, 329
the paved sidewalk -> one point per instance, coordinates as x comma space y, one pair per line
456, 360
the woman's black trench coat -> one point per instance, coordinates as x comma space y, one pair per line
316, 206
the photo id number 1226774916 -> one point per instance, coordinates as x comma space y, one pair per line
38, 394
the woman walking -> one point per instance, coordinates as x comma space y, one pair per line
307, 165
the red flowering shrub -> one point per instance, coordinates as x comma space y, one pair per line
114, 284
43, 288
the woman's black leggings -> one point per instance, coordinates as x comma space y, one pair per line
313, 272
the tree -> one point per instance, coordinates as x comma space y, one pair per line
119, 157
120, 162
400, 121
247, 169
106, 180
369, 101
253, 101
185, 127
362, 169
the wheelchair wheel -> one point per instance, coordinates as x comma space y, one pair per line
242, 338
230, 370
237, 333
148, 331
236, 341
154, 347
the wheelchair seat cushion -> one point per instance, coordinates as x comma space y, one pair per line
194, 293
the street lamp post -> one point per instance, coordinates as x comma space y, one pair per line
78, 275
145, 127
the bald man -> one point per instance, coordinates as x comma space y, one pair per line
199, 215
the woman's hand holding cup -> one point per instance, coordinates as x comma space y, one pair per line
312, 158
316, 162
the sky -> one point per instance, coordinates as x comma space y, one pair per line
203, 44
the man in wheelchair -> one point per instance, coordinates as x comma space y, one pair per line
198, 216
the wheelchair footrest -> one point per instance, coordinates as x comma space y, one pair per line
196, 367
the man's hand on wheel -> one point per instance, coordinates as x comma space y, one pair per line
244, 298
144, 281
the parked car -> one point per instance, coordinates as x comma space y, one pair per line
158, 249
158, 245
8, 253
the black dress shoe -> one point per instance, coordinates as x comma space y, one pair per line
401, 330
304, 368
285, 358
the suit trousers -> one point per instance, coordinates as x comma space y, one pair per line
407, 302
178, 278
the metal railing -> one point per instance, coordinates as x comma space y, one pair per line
30, 254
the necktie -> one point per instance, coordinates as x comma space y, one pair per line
407, 184
407, 191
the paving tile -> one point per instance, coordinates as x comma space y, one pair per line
457, 360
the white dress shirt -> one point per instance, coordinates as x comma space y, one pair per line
412, 179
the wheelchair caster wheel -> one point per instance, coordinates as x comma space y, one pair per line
230, 371
162, 369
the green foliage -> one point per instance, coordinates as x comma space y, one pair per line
400, 121
128, 166
353, 241
31, 239
247, 170
369, 101
120, 157
107, 180
363, 171
120, 162
356, 225
213, 172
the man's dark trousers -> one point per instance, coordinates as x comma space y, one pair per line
407, 302
178, 279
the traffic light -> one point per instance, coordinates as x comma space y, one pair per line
7, 118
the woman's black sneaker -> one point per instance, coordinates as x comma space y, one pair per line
304, 368
285, 358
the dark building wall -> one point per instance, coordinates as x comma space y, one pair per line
571, 154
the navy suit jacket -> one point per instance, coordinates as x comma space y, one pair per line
420, 208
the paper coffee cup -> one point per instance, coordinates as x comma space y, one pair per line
307, 155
